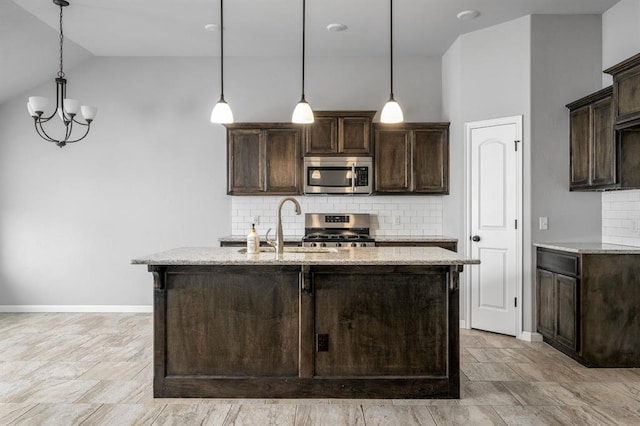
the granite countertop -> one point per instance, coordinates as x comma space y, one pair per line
298, 238
590, 248
304, 256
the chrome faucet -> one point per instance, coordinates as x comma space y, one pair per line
279, 243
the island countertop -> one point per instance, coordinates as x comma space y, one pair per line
334, 256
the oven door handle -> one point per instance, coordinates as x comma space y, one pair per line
353, 178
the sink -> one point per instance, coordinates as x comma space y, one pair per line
295, 250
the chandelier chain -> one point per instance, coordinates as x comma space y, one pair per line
61, 72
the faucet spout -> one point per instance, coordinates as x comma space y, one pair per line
279, 236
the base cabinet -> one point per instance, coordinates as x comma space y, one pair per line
306, 331
447, 245
587, 306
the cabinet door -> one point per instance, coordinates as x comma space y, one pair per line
354, 135
580, 135
321, 136
567, 311
245, 158
392, 161
431, 161
545, 303
282, 161
603, 171
381, 324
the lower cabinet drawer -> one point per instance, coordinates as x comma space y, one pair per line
565, 264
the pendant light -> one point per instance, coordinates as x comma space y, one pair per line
67, 109
302, 114
221, 113
391, 112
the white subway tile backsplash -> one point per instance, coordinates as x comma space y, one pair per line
419, 215
621, 217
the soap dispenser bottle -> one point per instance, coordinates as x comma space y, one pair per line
253, 241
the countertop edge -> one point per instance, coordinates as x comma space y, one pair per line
590, 248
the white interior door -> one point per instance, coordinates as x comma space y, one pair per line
495, 222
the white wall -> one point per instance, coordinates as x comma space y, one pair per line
566, 66
620, 40
151, 175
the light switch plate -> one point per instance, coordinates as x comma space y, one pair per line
544, 223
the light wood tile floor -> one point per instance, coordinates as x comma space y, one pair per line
95, 369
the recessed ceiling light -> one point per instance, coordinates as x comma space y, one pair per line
468, 14
336, 27
212, 27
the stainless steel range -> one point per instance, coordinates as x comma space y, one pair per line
337, 230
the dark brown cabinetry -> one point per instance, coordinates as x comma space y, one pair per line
626, 92
412, 158
339, 133
263, 158
592, 142
586, 306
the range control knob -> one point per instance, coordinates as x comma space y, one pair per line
338, 244
363, 245
354, 244
313, 244
323, 244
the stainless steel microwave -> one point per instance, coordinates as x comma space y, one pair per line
338, 175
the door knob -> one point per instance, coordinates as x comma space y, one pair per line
475, 238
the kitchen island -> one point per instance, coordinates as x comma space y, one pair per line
310, 323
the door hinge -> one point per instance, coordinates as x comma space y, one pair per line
515, 302
515, 144
516, 223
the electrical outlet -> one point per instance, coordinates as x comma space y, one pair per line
544, 223
256, 220
322, 343
396, 219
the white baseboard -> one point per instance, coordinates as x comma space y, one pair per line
463, 324
528, 336
77, 308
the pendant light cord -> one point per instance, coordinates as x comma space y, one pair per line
303, 41
391, 43
221, 51
61, 72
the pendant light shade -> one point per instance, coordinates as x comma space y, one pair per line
302, 113
221, 113
391, 112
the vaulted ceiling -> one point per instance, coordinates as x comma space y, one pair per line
28, 29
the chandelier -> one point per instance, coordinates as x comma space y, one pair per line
66, 109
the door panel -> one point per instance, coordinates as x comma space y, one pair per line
494, 179
566, 327
546, 303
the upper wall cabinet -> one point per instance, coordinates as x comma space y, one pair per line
263, 159
411, 158
626, 92
592, 160
339, 133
